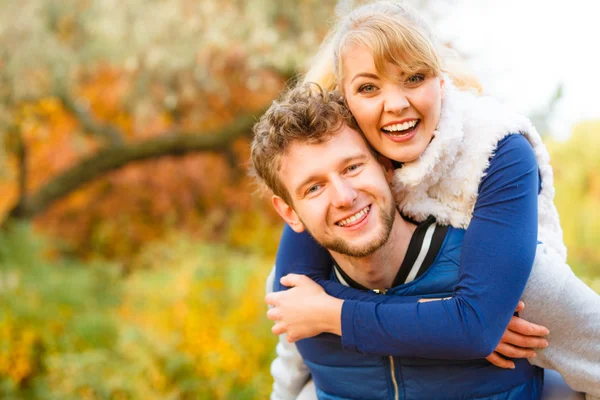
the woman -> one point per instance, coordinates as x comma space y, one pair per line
471, 163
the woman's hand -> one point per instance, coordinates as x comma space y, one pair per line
518, 341
303, 311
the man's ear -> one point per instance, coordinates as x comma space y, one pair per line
287, 213
388, 167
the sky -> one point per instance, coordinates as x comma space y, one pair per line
523, 49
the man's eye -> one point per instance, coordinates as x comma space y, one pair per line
313, 189
416, 78
367, 88
353, 167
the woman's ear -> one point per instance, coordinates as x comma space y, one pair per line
287, 213
442, 81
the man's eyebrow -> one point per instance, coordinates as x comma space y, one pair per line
300, 188
364, 75
344, 161
352, 157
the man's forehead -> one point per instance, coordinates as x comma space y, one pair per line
344, 134
343, 140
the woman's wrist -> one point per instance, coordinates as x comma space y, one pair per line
332, 321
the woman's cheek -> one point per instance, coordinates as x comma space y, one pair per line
361, 109
368, 119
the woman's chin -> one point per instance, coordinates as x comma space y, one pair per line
406, 156
408, 153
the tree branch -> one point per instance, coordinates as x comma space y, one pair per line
112, 158
20, 151
104, 131
23, 169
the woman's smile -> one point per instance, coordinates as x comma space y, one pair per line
401, 132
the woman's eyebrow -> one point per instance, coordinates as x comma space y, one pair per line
364, 75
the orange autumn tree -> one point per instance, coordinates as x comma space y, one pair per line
123, 120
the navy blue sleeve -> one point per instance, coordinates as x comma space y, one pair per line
299, 253
497, 257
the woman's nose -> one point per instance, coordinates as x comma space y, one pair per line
395, 100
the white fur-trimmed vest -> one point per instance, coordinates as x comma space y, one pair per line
444, 180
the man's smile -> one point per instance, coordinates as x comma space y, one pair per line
354, 219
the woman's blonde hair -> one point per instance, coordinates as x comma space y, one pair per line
395, 34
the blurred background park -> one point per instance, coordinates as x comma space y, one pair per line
133, 246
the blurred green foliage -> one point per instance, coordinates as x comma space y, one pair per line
577, 181
191, 325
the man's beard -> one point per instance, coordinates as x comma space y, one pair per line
341, 246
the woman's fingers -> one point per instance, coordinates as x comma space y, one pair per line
500, 361
274, 314
511, 351
272, 299
527, 328
279, 328
291, 280
517, 339
520, 306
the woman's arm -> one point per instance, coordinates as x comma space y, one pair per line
299, 253
497, 255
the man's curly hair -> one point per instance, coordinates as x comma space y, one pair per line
305, 114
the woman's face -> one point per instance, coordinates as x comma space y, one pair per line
397, 117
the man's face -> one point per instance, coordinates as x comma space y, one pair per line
340, 193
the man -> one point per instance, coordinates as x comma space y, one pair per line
326, 179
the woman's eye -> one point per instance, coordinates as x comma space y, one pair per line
416, 78
368, 88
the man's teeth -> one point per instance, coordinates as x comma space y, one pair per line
401, 127
355, 217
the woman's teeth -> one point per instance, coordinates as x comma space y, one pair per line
400, 128
355, 217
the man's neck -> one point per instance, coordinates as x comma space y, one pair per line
378, 270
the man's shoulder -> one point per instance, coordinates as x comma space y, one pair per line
451, 247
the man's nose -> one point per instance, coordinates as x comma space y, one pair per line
395, 100
343, 194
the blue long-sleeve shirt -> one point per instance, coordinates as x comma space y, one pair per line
497, 257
